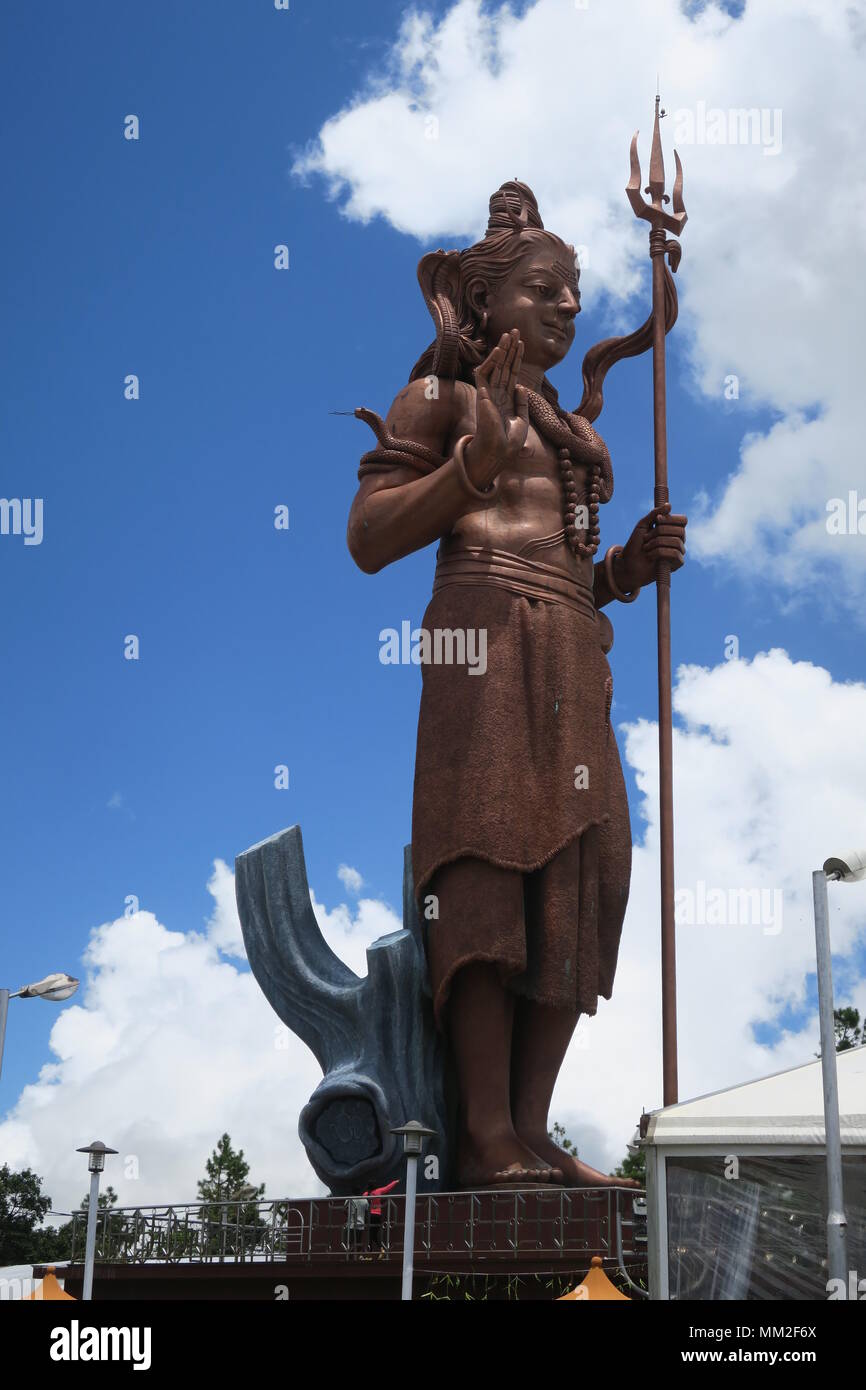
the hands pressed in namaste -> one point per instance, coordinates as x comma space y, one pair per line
501, 411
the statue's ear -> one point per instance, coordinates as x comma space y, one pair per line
439, 278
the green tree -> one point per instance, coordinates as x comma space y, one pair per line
849, 1031
559, 1137
111, 1229
229, 1227
633, 1166
23, 1207
106, 1200
227, 1174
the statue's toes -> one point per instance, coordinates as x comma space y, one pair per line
540, 1174
515, 1174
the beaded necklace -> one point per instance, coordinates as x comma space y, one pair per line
574, 438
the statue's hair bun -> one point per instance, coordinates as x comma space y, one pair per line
513, 208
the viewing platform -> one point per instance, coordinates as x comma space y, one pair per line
328, 1247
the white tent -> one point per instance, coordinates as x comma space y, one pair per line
736, 1186
787, 1108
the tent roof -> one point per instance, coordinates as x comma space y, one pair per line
596, 1287
50, 1289
18, 1282
787, 1108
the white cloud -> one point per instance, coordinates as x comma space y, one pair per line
350, 934
771, 288
350, 879
765, 788
169, 1043
169, 1046
224, 925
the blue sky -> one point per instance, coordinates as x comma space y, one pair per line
258, 647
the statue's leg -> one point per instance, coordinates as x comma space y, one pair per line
480, 1020
572, 906
546, 1014
474, 948
541, 1038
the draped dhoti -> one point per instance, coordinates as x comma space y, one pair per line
521, 842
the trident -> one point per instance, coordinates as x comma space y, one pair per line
660, 247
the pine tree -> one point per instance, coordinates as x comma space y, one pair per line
227, 1174
113, 1229
633, 1166
848, 1029
229, 1227
107, 1199
561, 1139
849, 1032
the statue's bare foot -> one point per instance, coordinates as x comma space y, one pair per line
576, 1173
491, 1161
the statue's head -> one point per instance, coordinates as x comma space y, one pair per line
517, 276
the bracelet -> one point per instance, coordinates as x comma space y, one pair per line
468, 485
617, 592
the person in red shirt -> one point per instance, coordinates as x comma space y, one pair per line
375, 1194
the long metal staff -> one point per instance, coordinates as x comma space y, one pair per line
660, 247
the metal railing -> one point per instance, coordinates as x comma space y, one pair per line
559, 1224
196, 1233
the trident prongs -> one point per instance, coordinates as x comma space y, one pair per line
653, 212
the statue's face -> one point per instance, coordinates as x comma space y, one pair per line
541, 299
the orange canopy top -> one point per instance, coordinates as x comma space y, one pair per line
49, 1288
595, 1286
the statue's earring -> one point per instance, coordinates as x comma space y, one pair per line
484, 320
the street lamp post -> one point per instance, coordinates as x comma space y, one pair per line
849, 868
54, 988
96, 1162
414, 1135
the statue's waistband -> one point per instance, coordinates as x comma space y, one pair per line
531, 578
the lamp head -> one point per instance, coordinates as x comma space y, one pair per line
55, 988
414, 1135
847, 868
97, 1153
